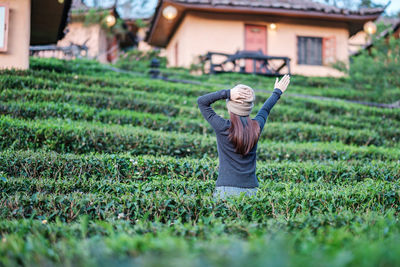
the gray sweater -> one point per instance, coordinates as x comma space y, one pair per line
234, 169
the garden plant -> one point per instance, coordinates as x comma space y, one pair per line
101, 168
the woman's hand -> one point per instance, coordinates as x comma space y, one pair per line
240, 92
283, 83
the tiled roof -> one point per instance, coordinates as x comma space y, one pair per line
303, 8
301, 5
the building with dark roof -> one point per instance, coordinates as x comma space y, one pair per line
25, 23
313, 35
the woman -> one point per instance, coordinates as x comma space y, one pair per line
237, 138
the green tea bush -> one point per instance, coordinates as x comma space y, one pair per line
274, 131
124, 167
274, 242
112, 168
136, 60
189, 200
377, 68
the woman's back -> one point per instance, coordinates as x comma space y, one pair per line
237, 138
234, 169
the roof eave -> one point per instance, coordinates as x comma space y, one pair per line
351, 18
278, 11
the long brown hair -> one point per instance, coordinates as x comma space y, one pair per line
243, 133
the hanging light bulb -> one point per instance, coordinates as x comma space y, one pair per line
170, 12
370, 28
61, 1
110, 20
272, 26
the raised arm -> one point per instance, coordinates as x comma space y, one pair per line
205, 101
263, 113
279, 88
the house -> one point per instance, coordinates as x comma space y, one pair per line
24, 23
313, 35
104, 42
89, 32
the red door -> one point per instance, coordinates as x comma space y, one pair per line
255, 40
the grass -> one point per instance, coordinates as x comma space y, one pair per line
100, 168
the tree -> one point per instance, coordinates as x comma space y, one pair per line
377, 68
342, 3
368, 4
127, 8
352, 4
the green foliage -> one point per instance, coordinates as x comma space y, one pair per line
41, 164
135, 60
369, 4
376, 69
105, 168
353, 4
328, 239
98, 16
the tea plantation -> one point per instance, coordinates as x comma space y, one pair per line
99, 168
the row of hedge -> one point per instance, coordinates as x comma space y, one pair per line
341, 108
190, 200
100, 101
124, 167
276, 131
206, 228
171, 107
180, 107
52, 81
46, 110
327, 239
190, 90
83, 137
98, 90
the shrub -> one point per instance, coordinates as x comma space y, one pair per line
136, 60
377, 68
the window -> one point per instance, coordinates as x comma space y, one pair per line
309, 50
3, 27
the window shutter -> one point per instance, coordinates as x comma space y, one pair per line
3, 27
301, 50
328, 50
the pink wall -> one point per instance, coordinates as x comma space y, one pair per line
358, 41
94, 35
17, 54
199, 33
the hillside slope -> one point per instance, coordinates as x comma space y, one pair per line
102, 168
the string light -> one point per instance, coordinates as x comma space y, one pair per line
170, 12
110, 20
370, 27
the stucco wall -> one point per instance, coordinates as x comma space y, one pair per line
17, 54
283, 42
358, 41
95, 36
198, 34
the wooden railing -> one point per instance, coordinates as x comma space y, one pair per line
261, 64
65, 52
